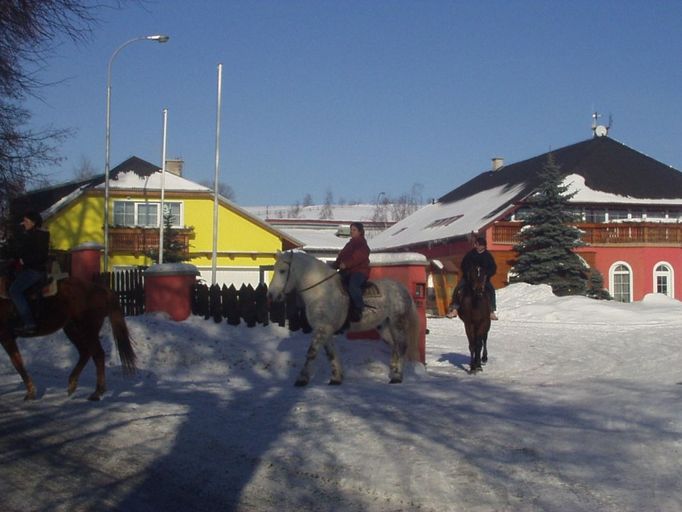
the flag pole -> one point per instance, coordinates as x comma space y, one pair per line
214, 259
163, 182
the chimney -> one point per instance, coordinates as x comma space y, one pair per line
498, 163
175, 166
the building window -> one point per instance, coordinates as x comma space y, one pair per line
146, 214
617, 215
124, 213
663, 279
438, 223
620, 279
655, 214
174, 210
596, 216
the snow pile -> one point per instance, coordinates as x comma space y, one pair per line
576, 410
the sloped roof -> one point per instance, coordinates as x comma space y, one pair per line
132, 174
44, 199
608, 168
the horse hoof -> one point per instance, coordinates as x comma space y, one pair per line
29, 396
300, 383
95, 397
334, 382
395, 380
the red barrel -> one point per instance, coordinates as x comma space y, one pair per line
168, 288
409, 269
86, 261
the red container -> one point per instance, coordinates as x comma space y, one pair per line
168, 288
409, 269
86, 261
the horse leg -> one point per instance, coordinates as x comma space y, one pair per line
471, 336
484, 357
320, 337
398, 341
98, 358
80, 336
334, 362
477, 354
10, 345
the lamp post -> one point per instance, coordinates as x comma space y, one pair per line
160, 38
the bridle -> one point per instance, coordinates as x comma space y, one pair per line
301, 290
477, 285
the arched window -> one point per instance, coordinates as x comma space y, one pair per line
620, 282
663, 279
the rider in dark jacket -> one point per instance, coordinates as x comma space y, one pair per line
353, 262
33, 251
480, 256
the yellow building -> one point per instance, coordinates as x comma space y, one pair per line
74, 213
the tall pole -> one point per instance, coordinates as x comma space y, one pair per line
163, 182
216, 180
107, 140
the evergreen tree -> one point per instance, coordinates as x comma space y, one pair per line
173, 249
596, 288
545, 250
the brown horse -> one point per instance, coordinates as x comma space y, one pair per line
79, 307
475, 313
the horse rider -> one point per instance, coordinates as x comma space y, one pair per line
32, 251
353, 262
480, 256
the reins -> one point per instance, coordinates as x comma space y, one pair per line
301, 290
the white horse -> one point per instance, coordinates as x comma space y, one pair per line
388, 307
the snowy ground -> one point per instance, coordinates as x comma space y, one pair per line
578, 409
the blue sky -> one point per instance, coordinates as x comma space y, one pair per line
364, 97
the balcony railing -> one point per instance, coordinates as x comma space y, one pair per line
145, 240
624, 234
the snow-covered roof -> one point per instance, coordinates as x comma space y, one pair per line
600, 171
339, 213
317, 240
584, 194
130, 180
440, 221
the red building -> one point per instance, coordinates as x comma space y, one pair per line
630, 207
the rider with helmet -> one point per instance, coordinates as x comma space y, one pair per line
32, 251
480, 256
353, 262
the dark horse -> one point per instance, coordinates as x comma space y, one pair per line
475, 313
79, 307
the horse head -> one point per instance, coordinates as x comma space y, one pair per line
477, 279
282, 281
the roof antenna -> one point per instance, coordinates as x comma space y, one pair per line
600, 130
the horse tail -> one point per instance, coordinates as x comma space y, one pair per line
124, 343
413, 331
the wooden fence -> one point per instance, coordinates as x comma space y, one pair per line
129, 288
246, 304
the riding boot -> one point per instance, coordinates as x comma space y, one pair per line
355, 314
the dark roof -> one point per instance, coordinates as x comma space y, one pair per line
606, 164
135, 164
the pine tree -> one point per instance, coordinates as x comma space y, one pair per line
173, 250
596, 288
545, 250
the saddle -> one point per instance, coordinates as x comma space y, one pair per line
46, 287
369, 289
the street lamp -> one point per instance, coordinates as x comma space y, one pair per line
160, 38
